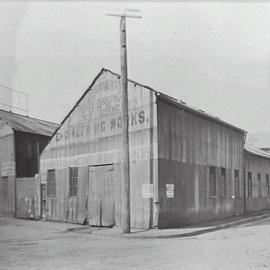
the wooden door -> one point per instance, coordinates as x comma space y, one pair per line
5, 196
101, 210
43, 200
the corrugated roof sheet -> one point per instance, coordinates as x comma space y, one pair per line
256, 151
259, 140
28, 124
182, 104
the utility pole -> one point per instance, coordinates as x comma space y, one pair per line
125, 213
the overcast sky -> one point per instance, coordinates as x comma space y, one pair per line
215, 56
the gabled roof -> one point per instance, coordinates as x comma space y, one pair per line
182, 104
256, 151
28, 124
162, 96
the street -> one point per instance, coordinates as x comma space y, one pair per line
45, 245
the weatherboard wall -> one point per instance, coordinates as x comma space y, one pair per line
187, 146
90, 137
7, 170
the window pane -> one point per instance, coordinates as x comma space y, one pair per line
267, 185
259, 185
212, 182
249, 184
51, 185
236, 183
223, 186
73, 181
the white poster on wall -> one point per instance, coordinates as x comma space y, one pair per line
147, 191
170, 190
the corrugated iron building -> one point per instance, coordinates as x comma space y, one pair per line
257, 173
186, 166
22, 139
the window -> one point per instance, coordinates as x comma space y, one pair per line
51, 186
259, 185
249, 184
236, 184
267, 185
73, 181
5, 183
212, 182
223, 187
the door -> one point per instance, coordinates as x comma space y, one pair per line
43, 200
101, 204
5, 196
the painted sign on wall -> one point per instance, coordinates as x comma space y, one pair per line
8, 169
98, 115
112, 156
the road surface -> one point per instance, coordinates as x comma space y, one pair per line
45, 245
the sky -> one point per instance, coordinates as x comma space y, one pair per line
213, 55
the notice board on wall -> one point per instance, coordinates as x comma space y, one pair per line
170, 190
147, 191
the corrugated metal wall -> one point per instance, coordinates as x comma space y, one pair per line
28, 198
187, 146
7, 171
91, 136
257, 165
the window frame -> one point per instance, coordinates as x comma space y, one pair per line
73, 182
259, 185
212, 182
249, 185
236, 183
223, 182
51, 183
267, 184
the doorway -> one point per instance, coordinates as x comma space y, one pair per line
101, 201
43, 201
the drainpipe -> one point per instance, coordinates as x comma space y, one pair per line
15, 174
244, 176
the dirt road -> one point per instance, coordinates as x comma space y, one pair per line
43, 245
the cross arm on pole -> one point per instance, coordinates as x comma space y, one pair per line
123, 15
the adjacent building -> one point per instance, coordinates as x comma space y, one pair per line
22, 139
257, 172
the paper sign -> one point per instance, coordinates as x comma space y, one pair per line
147, 191
170, 190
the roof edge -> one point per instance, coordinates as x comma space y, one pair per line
158, 93
34, 118
78, 101
252, 150
182, 105
201, 113
257, 155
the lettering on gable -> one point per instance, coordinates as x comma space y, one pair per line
99, 113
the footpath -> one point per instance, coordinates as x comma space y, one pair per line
187, 231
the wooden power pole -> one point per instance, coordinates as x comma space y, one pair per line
125, 213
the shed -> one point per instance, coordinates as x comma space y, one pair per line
22, 139
186, 165
257, 172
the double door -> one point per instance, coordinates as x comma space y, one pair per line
101, 200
